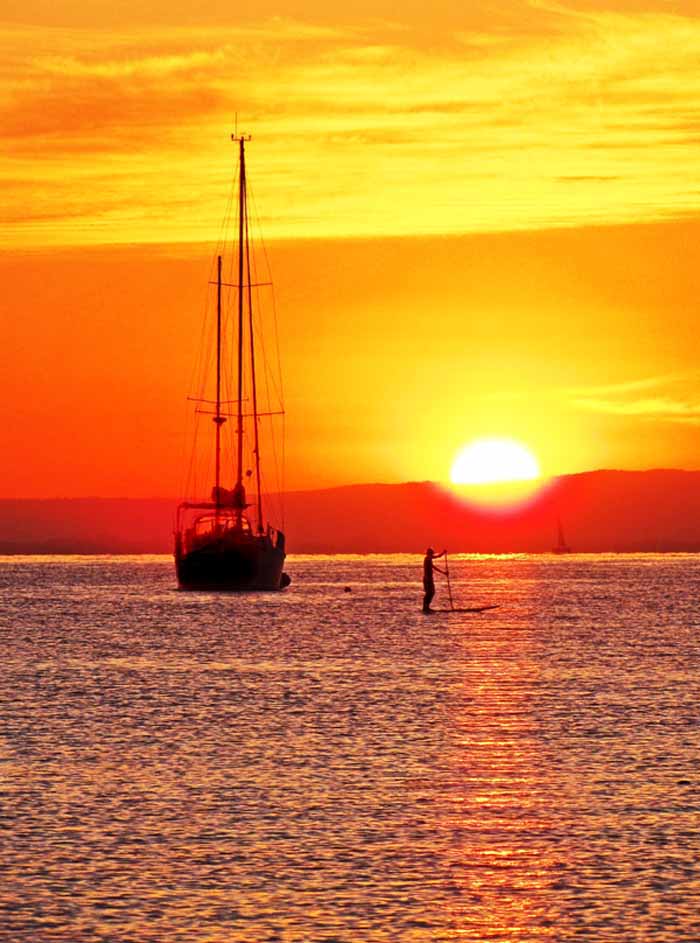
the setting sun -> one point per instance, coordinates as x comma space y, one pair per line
490, 461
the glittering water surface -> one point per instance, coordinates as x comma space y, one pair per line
322, 765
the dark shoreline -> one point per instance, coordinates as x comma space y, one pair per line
602, 512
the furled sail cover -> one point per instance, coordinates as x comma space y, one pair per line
230, 497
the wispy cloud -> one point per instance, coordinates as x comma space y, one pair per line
578, 116
650, 408
628, 386
671, 405
670, 397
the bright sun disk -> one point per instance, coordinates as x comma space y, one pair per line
489, 461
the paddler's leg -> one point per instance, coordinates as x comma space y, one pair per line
428, 598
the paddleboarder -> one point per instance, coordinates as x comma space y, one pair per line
428, 582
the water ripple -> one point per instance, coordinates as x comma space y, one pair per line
327, 766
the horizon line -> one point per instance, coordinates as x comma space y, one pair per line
367, 484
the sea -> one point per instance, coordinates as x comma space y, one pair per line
329, 764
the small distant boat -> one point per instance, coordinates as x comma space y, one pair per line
562, 546
218, 544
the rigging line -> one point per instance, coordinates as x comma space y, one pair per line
205, 362
194, 422
213, 412
267, 371
276, 379
220, 251
210, 402
199, 371
186, 450
273, 437
280, 391
269, 378
264, 275
284, 468
270, 497
191, 477
225, 226
195, 378
254, 389
208, 326
275, 456
262, 343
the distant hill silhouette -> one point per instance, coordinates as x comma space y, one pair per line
601, 511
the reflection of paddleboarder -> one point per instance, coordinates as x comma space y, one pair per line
428, 583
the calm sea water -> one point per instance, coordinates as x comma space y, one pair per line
321, 765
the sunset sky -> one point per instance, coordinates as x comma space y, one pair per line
482, 220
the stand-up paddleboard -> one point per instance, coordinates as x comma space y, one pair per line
469, 609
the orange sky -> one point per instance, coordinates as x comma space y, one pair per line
479, 223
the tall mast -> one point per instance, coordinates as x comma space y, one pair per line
254, 390
241, 215
218, 418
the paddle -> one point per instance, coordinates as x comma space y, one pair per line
449, 587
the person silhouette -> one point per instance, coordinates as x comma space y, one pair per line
428, 582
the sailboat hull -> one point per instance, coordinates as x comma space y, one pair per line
254, 566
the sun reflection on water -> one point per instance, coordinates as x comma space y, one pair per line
496, 811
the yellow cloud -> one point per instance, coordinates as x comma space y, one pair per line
652, 408
558, 118
675, 398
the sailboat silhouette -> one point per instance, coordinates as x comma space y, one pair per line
217, 544
562, 546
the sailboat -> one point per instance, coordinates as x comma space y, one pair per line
219, 544
562, 546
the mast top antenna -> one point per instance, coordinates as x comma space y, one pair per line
236, 136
